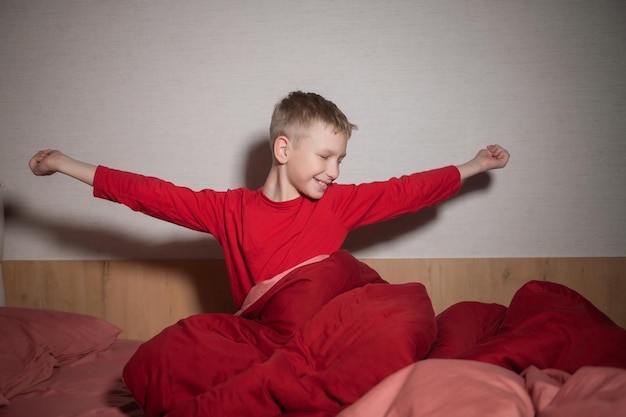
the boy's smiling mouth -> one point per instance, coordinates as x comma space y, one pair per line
323, 184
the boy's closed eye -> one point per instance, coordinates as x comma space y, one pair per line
339, 160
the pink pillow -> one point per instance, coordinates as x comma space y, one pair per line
23, 361
463, 325
33, 342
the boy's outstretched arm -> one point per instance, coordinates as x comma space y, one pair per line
48, 162
492, 157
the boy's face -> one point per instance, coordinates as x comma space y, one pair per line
313, 163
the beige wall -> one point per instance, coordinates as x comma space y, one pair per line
184, 90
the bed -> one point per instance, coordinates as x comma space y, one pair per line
367, 349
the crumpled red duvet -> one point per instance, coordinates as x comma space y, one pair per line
328, 332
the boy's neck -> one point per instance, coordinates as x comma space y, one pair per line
277, 188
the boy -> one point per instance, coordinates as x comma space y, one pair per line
309, 137
299, 216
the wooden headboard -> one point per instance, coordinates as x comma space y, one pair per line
143, 297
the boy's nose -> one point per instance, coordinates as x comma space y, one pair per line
332, 170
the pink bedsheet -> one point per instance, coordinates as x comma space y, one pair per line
457, 387
89, 387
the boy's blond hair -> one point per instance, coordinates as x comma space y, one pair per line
296, 112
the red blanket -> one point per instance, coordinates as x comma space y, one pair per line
316, 342
328, 332
546, 325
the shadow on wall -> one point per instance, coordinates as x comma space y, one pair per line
107, 242
382, 232
258, 164
120, 244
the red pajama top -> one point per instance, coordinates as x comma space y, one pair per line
262, 238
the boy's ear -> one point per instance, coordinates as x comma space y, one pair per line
281, 145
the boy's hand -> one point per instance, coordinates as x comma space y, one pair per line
48, 162
493, 157
43, 162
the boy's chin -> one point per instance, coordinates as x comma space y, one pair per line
313, 196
